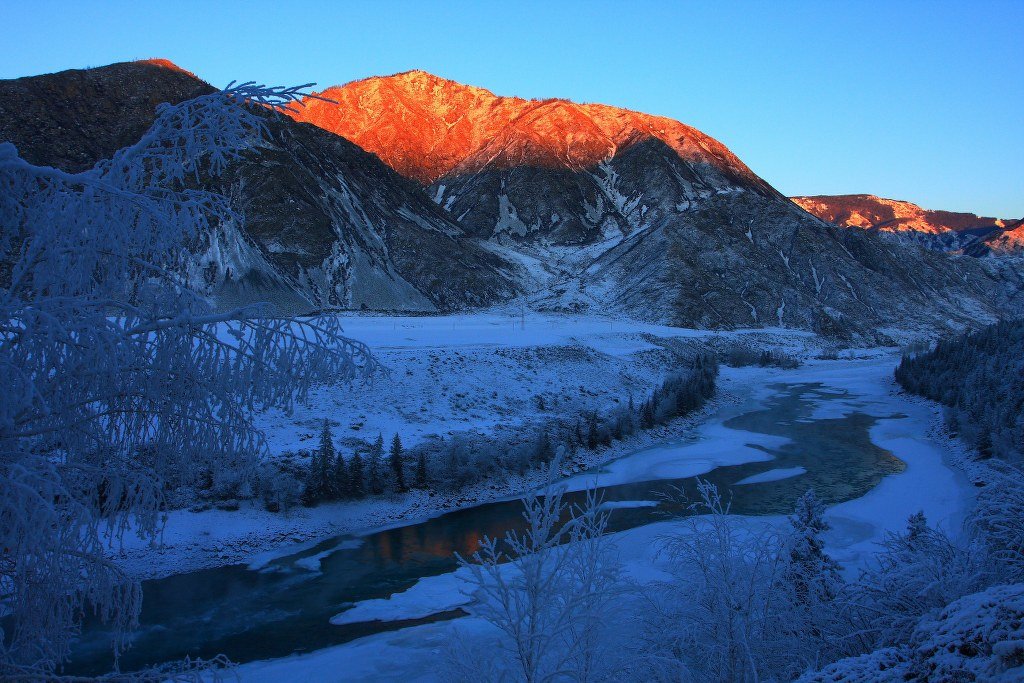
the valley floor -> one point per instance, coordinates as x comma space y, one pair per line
464, 374
909, 428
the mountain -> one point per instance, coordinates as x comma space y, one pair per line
1006, 241
412, 192
904, 221
613, 210
326, 224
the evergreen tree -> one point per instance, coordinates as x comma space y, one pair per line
355, 476
313, 492
325, 464
396, 463
544, 452
421, 469
917, 526
374, 476
342, 487
812, 574
593, 438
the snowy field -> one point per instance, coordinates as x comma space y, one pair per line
484, 373
930, 483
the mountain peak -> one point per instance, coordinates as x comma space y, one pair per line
890, 215
166, 64
427, 127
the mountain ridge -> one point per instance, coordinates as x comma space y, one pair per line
568, 207
327, 223
599, 131
950, 231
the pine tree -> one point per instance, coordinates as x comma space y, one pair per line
813, 575
374, 476
544, 452
421, 469
313, 492
917, 526
396, 463
355, 476
593, 438
342, 487
325, 464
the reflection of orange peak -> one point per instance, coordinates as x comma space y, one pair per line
167, 64
427, 127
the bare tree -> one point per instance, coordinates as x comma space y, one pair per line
548, 588
117, 378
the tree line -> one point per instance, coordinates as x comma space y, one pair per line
979, 377
451, 464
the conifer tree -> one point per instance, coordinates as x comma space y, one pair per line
313, 492
374, 476
813, 575
421, 469
340, 478
396, 463
325, 464
355, 476
545, 452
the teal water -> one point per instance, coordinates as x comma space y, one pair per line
285, 607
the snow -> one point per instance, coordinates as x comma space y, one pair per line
448, 375
906, 427
928, 483
428, 596
777, 474
715, 446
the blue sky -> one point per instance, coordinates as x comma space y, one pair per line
913, 100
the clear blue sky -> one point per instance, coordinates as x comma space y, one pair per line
914, 100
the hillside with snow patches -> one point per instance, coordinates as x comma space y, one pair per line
515, 296
906, 222
484, 200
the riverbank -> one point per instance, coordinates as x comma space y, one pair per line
449, 375
908, 427
249, 535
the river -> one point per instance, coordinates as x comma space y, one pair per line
284, 606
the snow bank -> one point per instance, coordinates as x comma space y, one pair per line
777, 474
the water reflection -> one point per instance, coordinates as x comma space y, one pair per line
285, 607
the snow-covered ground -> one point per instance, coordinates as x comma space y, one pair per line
486, 372
930, 483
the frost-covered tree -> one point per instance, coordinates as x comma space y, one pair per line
397, 466
548, 588
812, 575
980, 377
998, 520
118, 380
721, 616
374, 476
917, 573
356, 476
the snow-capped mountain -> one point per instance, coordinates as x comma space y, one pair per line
325, 223
610, 209
1008, 240
906, 222
412, 192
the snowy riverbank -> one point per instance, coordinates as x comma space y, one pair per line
908, 427
459, 374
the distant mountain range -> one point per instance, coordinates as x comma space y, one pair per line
903, 221
412, 192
